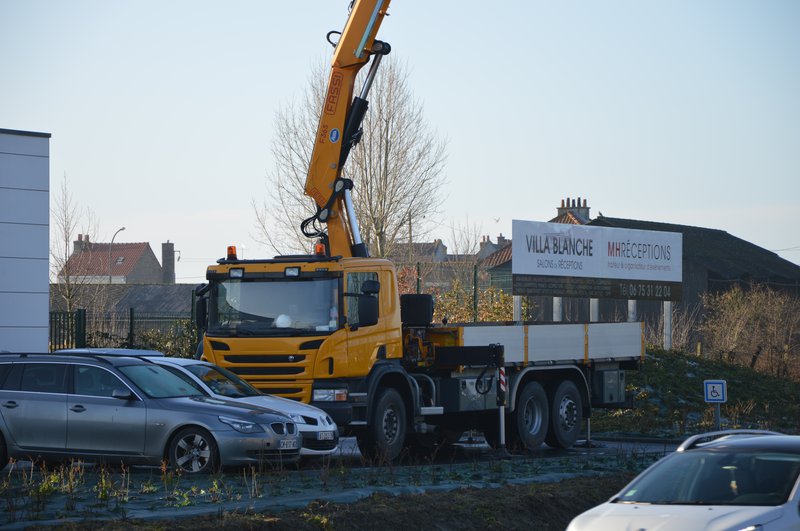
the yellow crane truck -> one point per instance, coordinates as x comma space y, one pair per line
331, 328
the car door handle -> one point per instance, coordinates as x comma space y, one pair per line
78, 409
10, 404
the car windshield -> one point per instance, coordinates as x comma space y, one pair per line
221, 381
157, 382
709, 477
267, 307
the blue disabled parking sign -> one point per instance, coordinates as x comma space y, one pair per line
716, 391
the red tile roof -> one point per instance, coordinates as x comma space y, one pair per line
499, 257
93, 260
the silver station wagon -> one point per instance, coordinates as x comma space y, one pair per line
124, 409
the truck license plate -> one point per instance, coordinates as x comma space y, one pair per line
288, 444
324, 435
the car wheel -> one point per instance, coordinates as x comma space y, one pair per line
194, 451
566, 416
531, 416
385, 436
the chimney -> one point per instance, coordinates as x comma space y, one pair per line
168, 263
579, 208
80, 245
564, 208
501, 240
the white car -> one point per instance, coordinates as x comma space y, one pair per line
319, 431
736, 480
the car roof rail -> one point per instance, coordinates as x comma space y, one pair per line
704, 438
101, 351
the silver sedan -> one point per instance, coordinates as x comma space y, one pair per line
114, 408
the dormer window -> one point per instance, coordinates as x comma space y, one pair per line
120, 259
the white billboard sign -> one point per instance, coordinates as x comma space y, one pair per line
558, 249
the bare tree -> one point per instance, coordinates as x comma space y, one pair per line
71, 288
759, 327
397, 169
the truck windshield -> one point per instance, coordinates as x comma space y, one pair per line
280, 307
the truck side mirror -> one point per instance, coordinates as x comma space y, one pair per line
201, 312
370, 287
367, 310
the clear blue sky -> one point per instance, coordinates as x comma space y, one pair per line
162, 113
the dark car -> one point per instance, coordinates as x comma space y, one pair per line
117, 408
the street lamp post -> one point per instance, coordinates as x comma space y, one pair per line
109, 252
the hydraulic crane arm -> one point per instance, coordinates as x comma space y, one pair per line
339, 129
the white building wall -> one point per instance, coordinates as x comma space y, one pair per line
24, 240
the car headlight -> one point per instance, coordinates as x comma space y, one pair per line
243, 426
329, 395
297, 418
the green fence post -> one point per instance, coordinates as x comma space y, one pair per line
80, 328
475, 293
130, 328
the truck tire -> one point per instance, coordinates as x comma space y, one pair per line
566, 416
531, 416
385, 436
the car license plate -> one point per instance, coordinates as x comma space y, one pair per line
324, 435
288, 444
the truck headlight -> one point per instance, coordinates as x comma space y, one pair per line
329, 395
243, 426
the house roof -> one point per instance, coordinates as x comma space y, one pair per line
570, 218
499, 257
93, 260
418, 250
725, 256
143, 298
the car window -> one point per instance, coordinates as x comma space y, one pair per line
5, 368
717, 478
222, 383
95, 381
157, 382
43, 377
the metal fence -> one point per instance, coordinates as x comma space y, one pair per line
129, 329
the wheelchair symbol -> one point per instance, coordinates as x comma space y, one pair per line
715, 391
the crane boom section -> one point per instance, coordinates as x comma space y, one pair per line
339, 127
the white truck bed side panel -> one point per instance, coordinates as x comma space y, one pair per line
560, 342
555, 342
511, 337
615, 340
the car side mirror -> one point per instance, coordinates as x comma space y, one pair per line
122, 394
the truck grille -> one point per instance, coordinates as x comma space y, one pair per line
266, 371
264, 358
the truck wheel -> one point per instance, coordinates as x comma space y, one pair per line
531, 416
385, 436
566, 416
